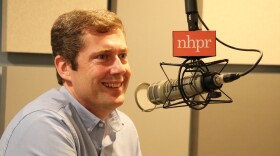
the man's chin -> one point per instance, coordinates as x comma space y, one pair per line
119, 101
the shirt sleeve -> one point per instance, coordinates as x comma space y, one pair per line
41, 133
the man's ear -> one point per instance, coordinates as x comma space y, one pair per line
63, 68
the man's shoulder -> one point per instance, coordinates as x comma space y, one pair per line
45, 114
52, 100
50, 103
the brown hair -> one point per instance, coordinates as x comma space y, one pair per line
68, 31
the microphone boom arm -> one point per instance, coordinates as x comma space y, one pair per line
192, 14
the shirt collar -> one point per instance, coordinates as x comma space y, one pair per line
89, 119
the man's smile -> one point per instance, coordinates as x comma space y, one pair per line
112, 85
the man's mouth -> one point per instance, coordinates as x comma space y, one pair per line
112, 85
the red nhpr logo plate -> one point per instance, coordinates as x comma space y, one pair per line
194, 43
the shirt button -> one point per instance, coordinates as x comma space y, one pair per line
89, 129
101, 124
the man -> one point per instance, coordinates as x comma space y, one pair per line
80, 119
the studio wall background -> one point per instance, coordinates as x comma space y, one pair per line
248, 126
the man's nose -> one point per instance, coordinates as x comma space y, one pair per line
118, 67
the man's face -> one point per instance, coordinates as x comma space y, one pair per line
103, 72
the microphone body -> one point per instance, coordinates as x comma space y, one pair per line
168, 90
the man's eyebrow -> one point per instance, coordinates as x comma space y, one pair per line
102, 51
125, 49
111, 49
105, 51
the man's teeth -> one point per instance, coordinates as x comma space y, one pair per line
112, 85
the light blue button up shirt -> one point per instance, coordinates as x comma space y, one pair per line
47, 126
102, 133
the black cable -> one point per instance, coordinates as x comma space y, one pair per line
235, 48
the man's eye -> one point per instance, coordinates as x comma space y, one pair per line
102, 56
123, 56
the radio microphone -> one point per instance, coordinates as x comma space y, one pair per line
168, 90
200, 86
195, 87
